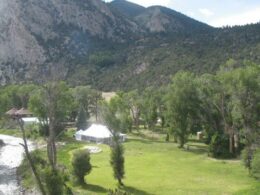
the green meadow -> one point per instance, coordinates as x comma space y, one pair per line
154, 166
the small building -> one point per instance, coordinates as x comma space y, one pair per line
23, 113
30, 120
98, 134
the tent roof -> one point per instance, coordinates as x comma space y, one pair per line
23, 111
97, 131
11, 112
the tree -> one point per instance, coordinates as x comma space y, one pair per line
88, 98
210, 114
54, 181
116, 114
51, 103
134, 102
255, 171
81, 164
117, 160
246, 98
150, 106
30, 158
112, 118
81, 122
183, 104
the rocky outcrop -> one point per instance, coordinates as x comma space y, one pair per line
37, 35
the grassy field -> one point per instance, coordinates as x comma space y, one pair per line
155, 167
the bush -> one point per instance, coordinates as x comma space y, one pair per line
247, 155
24, 170
117, 160
81, 164
44, 130
255, 170
81, 122
219, 146
32, 131
54, 181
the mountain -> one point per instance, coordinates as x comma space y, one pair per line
127, 8
37, 35
117, 45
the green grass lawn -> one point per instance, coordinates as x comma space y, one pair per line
11, 132
156, 167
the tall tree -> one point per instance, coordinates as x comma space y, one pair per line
183, 103
81, 122
246, 98
117, 159
112, 118
51, 103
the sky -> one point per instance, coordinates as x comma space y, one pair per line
216, 13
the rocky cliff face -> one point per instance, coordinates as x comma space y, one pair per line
37, 35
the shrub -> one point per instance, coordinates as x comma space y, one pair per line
247, 155
81, 164
219, 146
117, 160
24, 170
255, 170
54, 181
81, 122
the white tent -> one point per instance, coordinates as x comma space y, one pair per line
97, 133
30, 120
78, 135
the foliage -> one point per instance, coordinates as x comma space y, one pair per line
255, 171
247, 155
81, 165
116, 114
218, 147
54, 181
81, 122
24, 170
183, 104
15, 96
149, 107
51, 96
88, 98
117, 160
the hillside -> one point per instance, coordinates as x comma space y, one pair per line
119, 45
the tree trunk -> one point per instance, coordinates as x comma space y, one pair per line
28, 156
51, 147
231, 143
120, 182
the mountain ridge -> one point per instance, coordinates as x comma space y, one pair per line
96, 43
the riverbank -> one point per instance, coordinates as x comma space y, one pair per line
11, 157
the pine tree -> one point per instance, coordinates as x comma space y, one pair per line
117, 160
81, 123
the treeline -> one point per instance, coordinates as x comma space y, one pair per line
225, 106
68, 101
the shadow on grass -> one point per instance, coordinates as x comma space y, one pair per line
143, 141
196, 149
134, 191
94, 188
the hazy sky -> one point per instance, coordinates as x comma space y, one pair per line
213, 12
